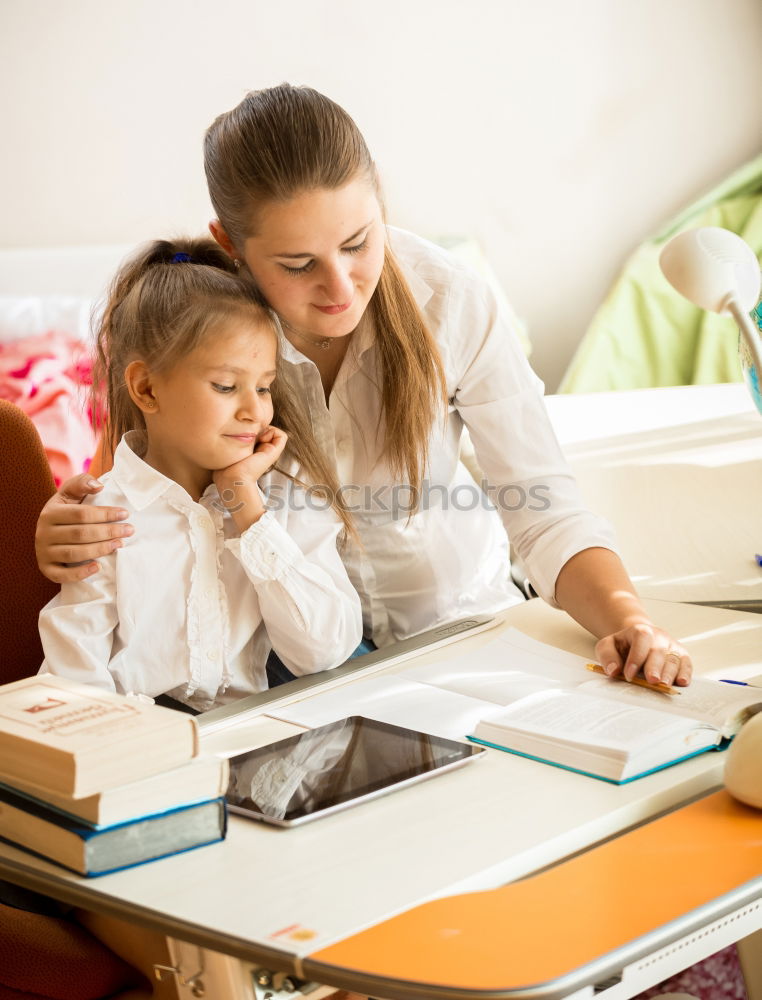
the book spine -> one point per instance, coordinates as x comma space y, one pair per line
69, 844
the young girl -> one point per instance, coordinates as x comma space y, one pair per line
213, 579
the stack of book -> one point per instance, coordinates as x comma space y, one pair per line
97, 781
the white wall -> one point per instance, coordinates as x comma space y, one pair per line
558, 132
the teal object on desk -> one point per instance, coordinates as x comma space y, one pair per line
750, 373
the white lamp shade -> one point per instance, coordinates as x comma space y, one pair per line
743, 763
711, 266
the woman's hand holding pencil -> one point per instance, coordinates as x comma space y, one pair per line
641, 681
644, 653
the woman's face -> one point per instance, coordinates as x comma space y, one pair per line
317, 258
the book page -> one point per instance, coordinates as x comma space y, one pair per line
587, 720
723, 706
490, 682
508, 667
392, 699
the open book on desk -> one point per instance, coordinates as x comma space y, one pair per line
538, 701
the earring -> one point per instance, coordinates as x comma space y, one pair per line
236, 263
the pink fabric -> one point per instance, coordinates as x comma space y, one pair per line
718, 977
48, 377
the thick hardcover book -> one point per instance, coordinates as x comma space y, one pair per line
76, 740
199, 780
97, 851
526, 697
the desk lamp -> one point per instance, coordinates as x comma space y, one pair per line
718, 271
743, 764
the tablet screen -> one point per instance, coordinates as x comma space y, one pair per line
334, 766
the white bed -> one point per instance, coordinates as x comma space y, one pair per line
72, 271
43, 289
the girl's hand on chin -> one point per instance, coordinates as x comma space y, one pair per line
268, 448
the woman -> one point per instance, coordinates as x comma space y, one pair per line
394, 349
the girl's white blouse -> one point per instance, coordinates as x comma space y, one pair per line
191, 608
451, 558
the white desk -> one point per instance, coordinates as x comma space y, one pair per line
679, 473
276, 897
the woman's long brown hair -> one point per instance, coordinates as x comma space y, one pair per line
285, 140
159, 308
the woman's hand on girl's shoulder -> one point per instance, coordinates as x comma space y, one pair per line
71, 535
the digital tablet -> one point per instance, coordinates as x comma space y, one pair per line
336, 766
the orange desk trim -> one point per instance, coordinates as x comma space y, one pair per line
544, 927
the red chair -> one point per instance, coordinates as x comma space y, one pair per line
26, 484
43, 954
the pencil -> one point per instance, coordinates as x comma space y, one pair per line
640, 681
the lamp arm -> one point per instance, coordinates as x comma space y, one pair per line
750, 333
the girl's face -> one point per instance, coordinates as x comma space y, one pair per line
317, 258
210, 407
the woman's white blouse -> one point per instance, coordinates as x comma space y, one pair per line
191, 608
450, 559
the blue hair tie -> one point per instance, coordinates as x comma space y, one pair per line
181, 258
